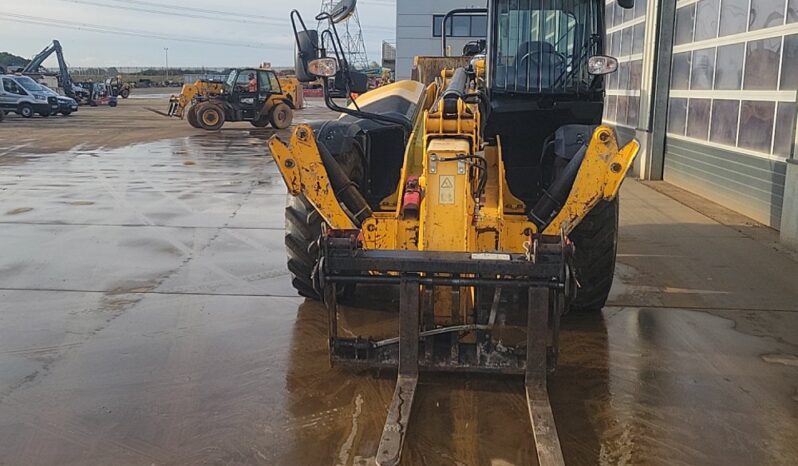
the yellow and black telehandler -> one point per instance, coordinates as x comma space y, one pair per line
488, 198
247, 94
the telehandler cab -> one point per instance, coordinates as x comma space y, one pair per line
488, 197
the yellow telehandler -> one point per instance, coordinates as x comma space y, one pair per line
488, 197
248, 94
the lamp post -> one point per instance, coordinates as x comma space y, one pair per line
166, 51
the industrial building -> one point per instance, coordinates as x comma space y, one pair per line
707, 86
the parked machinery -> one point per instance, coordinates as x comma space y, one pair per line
94, 94
35, 70
488, 197
117, 87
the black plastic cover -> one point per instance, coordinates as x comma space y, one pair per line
569, 139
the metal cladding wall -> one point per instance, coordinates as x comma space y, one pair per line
414, 30
753, 186
732, 103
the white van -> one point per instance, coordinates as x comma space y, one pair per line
25, 96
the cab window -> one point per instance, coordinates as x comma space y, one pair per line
10, 86
275, 83
264, 85
242, 82
543, 46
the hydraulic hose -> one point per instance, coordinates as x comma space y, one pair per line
345, 190
552, 200
455, 90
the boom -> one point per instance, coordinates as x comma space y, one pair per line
64, 80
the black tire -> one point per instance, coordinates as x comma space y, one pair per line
261, 122
124, 93
191, 116
596, 242
210, 117
303, 230
25, 110
66, 113
281, 116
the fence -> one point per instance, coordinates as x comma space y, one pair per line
153, 75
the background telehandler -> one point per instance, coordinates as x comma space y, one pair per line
488, 198
208, 105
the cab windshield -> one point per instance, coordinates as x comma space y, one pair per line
29, 84
542, 46
230, 82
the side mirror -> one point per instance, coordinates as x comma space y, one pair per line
474, 48
343, 10
359, 85
626, 4
307, 46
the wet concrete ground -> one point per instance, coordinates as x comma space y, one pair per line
146, 317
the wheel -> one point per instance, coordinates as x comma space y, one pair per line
281, 116
596, 242
124, 93
112, 103
303, 230
191, 116
25, 110
2, 116
66, 112
210, 116
261, 122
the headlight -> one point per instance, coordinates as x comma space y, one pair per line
326, 67
39, 97
601, 64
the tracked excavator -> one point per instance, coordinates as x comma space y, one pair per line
34, 68
487, 198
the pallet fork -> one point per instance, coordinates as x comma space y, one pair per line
544, 280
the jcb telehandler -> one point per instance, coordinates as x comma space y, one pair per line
248, 94
488, 197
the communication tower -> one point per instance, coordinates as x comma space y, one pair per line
354, 47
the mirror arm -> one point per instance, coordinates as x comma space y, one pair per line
296, 15
451, 14
361, 114
341, 57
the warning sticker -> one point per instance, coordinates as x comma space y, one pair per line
446, 189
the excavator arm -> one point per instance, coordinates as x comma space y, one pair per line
64, 80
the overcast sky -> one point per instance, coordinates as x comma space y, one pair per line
255, 31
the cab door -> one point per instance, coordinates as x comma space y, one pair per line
245, 95
268, 85
10, 94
